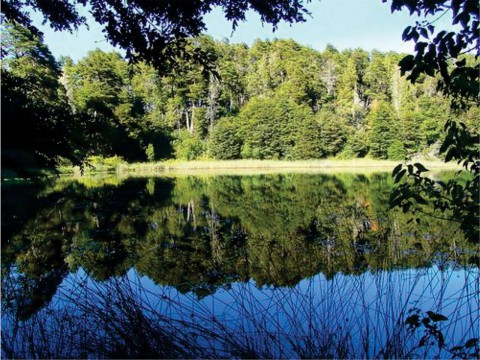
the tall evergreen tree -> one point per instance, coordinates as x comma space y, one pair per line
382, 125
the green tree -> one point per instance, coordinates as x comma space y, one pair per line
233, 69
39, 126
224, 142
409, 133
300, 67
377, 78
381, 120
330, 67
154, 32
433, 111
268, 127
333, 131
101, 90
308, 143
357, 144
350, 101
187, 146
151, 98
396, 150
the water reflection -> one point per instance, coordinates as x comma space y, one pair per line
246, 266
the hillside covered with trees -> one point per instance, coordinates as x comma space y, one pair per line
274, 100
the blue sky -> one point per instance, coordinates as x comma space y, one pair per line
343, 23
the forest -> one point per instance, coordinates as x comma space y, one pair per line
274, 100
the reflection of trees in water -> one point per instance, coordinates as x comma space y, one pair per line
345, 317
201, 234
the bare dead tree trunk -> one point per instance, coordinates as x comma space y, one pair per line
187, 120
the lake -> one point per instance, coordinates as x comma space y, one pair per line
258, 266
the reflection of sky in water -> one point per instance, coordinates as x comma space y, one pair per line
363, 307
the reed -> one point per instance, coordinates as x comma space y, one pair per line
345, 317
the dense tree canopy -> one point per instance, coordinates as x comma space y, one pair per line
160, 33
282, 100
262, 105
269, 108
156, 31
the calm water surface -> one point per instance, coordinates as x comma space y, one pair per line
289, 265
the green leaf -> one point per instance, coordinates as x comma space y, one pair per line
400, 175
396, 169
419, 199
407, 63
420, 168
436, 317
449, 155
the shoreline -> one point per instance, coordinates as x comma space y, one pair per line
245, 167
265, 166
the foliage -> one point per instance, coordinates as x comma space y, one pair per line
308, 144
187, 146
434, 50
346, 104
432, 335
444, 56
99, 88
40, 124
381, 136
268, 127
154, 32
357, 144
150, 152
457, 200
333, 131
396, 150
224, 142
100, 163
169, 228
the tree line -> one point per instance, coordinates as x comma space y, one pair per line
274, 100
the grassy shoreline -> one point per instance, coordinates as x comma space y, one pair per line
254, 166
